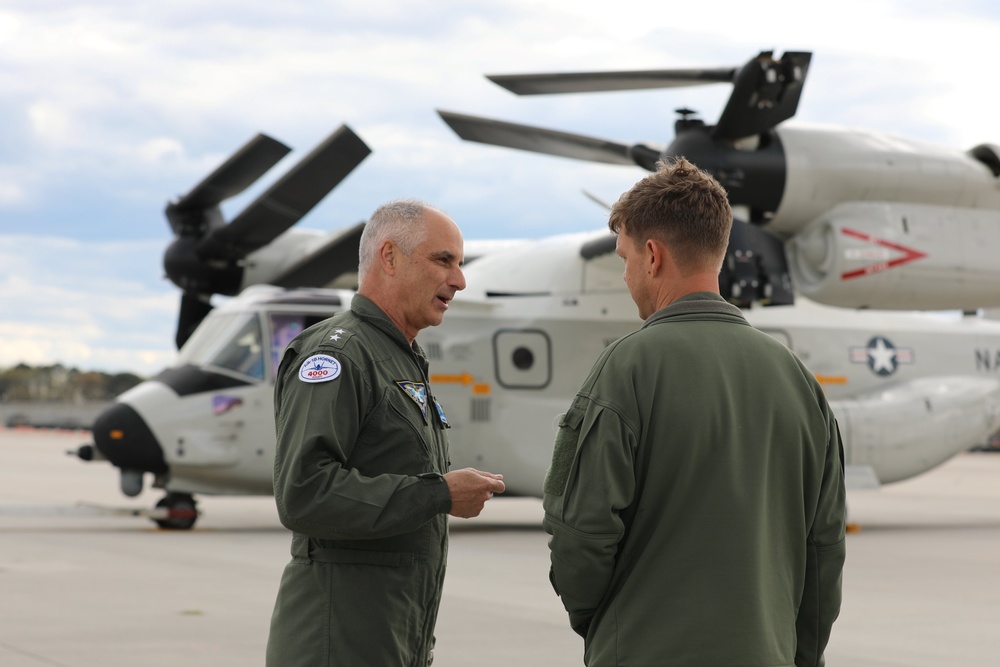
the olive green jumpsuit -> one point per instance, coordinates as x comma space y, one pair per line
361, 450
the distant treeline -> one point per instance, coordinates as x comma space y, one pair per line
58, 383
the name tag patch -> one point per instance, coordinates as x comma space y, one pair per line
319, 368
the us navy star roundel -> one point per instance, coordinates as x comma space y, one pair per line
319, 368
418, 392
882, 357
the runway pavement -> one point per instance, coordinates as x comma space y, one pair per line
78, 589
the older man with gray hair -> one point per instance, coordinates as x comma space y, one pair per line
361, 466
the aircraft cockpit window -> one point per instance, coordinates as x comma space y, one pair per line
200, 347
284, 328
227, 340
243, 352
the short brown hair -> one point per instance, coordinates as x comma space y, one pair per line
681, 206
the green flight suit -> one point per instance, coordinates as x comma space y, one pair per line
361, 450
696, 501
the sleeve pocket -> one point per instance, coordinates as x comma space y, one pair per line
564, 450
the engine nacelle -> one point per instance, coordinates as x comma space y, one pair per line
905, 429
899, 256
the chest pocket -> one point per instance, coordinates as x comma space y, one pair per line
402, 406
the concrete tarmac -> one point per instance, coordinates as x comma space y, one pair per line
83, 589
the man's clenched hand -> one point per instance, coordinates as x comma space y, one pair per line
470, 489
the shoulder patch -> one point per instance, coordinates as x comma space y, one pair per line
319, 368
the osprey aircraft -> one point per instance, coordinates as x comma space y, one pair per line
910, 390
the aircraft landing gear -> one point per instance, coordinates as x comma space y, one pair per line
176, 511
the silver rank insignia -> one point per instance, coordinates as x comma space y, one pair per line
418, 392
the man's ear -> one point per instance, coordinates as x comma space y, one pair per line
387, 257
661, 260
656, 255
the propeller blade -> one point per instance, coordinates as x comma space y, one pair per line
586, 82
766, 92
289, 199
232, 177
551, 142
194, 308
338, 256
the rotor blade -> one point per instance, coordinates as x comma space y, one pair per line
597, 200
586, 82
337, 256
290, 198
766, 92
236, 174
193, 310
539, 140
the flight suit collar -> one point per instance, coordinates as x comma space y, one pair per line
369, 311
697, 303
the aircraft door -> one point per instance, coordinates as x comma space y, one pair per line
522, 358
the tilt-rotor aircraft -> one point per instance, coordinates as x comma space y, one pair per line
910, 390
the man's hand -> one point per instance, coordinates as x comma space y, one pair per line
470, 489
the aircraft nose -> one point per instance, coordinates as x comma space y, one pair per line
124, 438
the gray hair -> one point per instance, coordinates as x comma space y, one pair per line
394, 221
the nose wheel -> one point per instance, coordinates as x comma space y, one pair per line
176, 511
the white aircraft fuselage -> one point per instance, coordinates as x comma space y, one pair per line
910, 390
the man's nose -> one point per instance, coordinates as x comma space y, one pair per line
457, 279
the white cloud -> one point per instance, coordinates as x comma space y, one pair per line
50, 123
161, 148
10, 193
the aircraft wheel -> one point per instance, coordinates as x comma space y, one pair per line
182, 511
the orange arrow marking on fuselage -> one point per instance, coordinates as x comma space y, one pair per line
463, 379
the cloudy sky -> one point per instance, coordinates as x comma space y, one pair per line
112, 108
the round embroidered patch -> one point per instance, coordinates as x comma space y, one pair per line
319, 368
